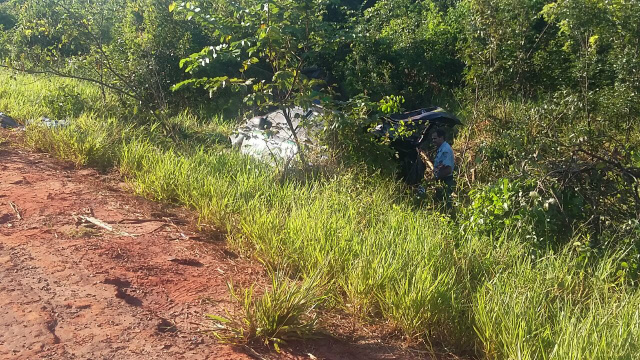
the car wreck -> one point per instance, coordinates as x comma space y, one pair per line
409, 134
269, 137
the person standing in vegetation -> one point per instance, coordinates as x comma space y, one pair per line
443, 166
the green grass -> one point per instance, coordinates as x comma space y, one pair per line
87, 141
556, 308
379, 257
31, 97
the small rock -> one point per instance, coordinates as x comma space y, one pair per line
7, 122
166, 326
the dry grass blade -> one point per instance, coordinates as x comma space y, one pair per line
15, 209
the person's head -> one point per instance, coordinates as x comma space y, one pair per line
437, 137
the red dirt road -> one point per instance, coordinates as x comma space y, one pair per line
69, 290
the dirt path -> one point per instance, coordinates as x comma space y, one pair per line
69, 290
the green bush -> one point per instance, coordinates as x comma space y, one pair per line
506, 204
64, 102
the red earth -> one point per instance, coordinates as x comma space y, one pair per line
72, 290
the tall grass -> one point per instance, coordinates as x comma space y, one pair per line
87, 141
31, 97
387, 259
381, 258
556, 308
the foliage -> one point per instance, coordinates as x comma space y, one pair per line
129, 48
508, 204
64, 102
402, 47
346, 133
391, 104
501, 42
272, 42
30, 97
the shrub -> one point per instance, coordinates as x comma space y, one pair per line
64, 101
512, 203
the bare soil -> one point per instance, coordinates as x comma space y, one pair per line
72, 290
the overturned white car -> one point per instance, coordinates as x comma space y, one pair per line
269, 137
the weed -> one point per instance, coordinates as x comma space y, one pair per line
283, 312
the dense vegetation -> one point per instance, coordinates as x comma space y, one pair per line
542, 258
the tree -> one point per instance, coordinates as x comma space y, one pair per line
403, 47
129, 48
501, 46
271, 43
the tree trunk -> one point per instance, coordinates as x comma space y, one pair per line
287, 117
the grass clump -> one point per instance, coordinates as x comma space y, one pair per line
284, 312
86, 141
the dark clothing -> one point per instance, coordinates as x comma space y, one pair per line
448, 185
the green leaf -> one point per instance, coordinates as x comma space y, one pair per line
218, 318
284, 79
181, 84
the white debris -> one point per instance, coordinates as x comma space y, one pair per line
269, 137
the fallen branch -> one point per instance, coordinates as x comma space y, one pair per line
104, 225
254, 354
138, 221
634, 172
97, 222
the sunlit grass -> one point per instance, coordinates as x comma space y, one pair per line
557, 308
285, 311
31, 97
86, 141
